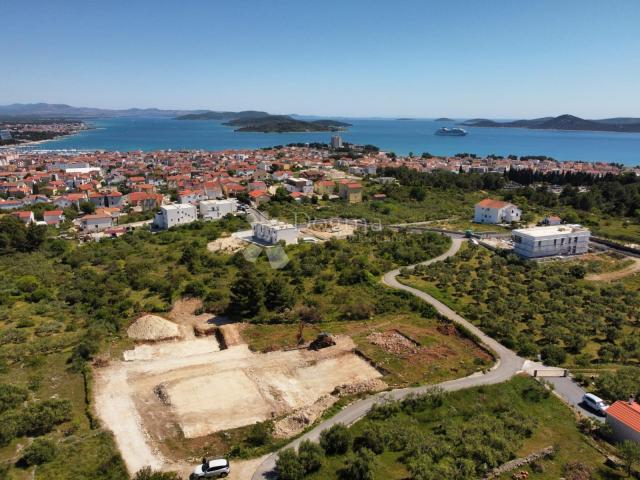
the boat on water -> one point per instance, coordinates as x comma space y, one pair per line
451, 132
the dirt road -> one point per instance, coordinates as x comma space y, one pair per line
616, 275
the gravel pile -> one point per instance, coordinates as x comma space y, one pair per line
153, 328
393, 342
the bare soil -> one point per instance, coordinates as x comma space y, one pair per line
191, 388
618, 274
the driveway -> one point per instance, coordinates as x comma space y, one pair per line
572, 394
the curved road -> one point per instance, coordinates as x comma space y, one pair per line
507, 365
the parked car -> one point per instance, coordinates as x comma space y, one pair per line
594, 403
211, 468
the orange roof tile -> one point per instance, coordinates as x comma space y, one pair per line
490, 203
627, 413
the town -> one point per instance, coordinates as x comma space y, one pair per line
289, 345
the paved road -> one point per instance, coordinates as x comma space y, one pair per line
507, 365
572, 393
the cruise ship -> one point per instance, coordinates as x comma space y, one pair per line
451, 132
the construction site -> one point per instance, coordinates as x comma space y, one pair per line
190, 376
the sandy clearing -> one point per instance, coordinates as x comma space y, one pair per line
117, 410
618, 274
185, 348
261, 387
222, 401
190, 387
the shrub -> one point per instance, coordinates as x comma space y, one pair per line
373, 437
359, 466
260, 433
336, 440
147, 473
289, 466
311, 456
39, 452
553, 355
11, 396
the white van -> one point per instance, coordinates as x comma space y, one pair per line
594, 403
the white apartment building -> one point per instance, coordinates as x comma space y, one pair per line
496, 211
175, 214
273, 231
552, 240
301, 185
216, 209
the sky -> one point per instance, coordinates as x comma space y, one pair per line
360, 58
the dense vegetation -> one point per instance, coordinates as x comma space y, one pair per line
337, 279
61, 303
545, 309
461, 435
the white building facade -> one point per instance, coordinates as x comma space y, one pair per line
174, 215
216, 209
273, 231
551, 241
496, 211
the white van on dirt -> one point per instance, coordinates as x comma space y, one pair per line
211, 468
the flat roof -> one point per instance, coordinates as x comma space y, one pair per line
550, 230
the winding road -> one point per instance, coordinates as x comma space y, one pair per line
508, 364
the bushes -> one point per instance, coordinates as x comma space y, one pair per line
39, 452
359, 466
260, 434
336, 440
311, 456
11, 396
147, 473
553, 355
34, 419
289, 466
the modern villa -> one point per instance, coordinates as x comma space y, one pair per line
551, 240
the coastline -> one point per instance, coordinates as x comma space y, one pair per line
49, 140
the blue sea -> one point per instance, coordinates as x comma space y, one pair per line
399, 136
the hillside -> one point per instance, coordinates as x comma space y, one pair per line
284, 123
223, 116
63, 111
564, 122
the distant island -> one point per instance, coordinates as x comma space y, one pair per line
404, 119
564, 122
443, 119
256, 121
57, 111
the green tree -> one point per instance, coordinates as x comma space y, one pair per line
336, 440
288, 465
278, 294
310, 455
40, 451
87, 207
247, 293
359, 466
553, 355
629, 452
